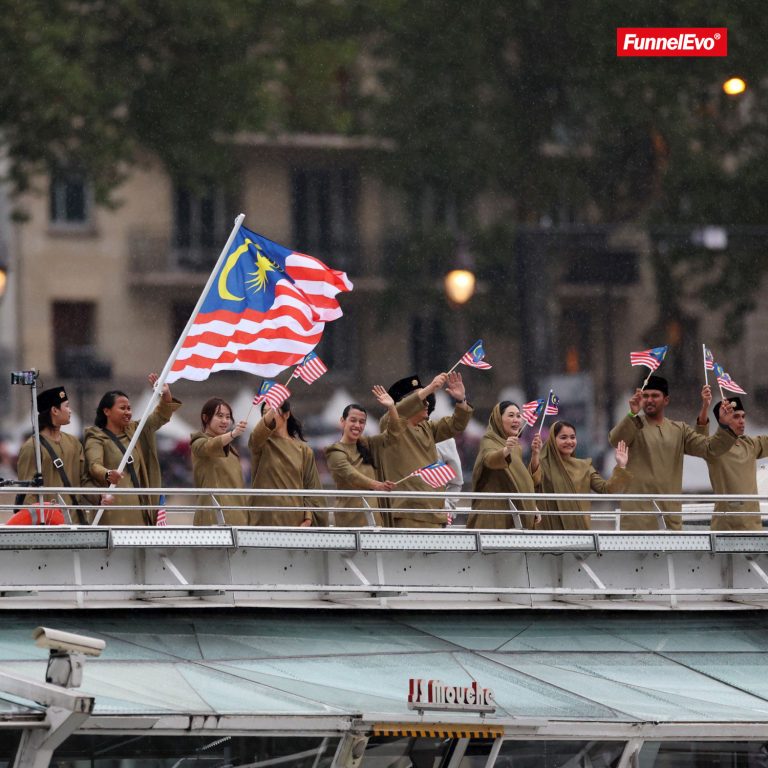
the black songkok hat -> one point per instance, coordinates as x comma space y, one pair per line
51, 398
407, 385
735, 402
659, 383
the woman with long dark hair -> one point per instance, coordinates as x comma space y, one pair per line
216, 464
281, 458
352, 461
555, 469
105, 445
499, 468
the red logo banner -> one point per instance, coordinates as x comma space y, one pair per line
672, 41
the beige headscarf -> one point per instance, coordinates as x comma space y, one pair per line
494, 439
557, 475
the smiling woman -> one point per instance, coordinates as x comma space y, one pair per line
105, 445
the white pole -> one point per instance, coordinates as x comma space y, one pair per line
704, 352
544, 413
158, 388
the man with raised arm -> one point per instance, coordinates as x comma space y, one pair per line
734, 471
656, 449
416, 447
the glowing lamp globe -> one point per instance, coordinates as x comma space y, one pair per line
460, 285
734, 86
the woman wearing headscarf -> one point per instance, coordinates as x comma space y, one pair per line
499, 468
281, 458
216, 463
352, 461
555, 469
105, 446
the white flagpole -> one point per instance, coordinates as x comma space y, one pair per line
704, 352
158, 388
544, 412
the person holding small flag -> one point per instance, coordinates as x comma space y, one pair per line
499, 468
555, 469
656, 449
354, 459
281, 458
416, 447
216, 463
735, 472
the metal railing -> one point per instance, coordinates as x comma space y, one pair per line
693, 507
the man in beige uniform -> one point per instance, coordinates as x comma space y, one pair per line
656, 449
416, 447
735, 472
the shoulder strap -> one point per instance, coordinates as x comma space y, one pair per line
59, 464
131, 471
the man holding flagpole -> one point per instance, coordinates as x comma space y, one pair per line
417, 446
656, 449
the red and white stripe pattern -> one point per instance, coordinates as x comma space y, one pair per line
310, 369
232, 333
161, 521
532, 411
435, 475
727, 383
273, 394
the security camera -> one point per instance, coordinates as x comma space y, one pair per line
66, 654
58, 640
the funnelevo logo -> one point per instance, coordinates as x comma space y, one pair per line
671, 41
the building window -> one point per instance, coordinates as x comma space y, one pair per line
74, 337
324, 203
69, 198
200, 226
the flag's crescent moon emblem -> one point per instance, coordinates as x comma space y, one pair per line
224, 292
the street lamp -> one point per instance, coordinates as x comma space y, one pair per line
734, 86
460, 281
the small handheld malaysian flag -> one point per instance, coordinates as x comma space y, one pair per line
709, 360
552, 406
436, 475
473, 357
532, 411
161, 521
310, 369
726, 382
651, 358
271, 393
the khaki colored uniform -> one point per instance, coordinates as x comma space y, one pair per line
102, 454
351, 473
735, 472
215, 467
415, 448
656, 464
496, 473
70, 451
281, 462
583, 479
